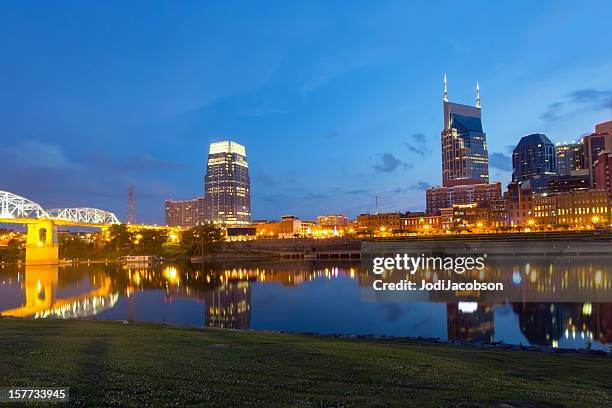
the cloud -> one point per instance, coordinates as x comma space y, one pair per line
500, 161
146, 162
586, 98
357, 191
420, 146
265, 179
32, 153
421, 185
553, 111
389, 163
419, 137
591, 96
272, 198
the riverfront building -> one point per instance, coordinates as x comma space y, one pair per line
184, 213
378, 223
227, 186
445, 197
333, 221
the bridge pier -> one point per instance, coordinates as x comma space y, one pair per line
41, 243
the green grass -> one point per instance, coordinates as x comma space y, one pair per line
109, 363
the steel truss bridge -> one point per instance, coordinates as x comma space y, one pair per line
41, 243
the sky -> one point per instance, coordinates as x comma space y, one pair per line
336, 102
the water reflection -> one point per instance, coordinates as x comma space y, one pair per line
327, 298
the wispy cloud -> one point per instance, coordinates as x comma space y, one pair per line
418, 145
587, 98
420, 185
389, 163
500, 161
33, 153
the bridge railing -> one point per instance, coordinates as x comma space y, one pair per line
83, 215
14, 206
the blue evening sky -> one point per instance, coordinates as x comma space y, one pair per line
336, 102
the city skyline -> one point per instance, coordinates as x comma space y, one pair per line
328, 127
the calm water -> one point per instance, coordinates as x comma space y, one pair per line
320, 297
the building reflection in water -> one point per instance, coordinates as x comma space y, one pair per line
229, 306
226, 293
470, 321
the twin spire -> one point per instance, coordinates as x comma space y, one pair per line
477, 92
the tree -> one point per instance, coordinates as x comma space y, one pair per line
13, 252
120, 240
200, 239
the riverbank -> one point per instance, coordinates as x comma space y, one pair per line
109, 363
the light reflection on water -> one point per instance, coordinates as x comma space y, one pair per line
319, 297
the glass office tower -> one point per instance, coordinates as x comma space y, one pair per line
227, 186
534, 159
465, 158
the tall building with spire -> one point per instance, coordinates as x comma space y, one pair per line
465, 158
227, 186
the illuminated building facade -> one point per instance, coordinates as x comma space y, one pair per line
563, 184
570, 158
420, 222
227, 186
445, 197
468, 216
534, 160
583, 209
595, 143
184, 213
288, 227
601, 170
333, 220
382, 222
544, 209
519, 204
465, 157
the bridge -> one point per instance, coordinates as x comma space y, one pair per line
41, 241
41, 298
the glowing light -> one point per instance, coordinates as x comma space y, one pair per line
467, 307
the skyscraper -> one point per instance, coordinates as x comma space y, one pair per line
465, 159
534, 159
227, 186
570, 158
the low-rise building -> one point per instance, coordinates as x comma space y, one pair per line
382, 222
420, 222
445, 197
583, 209
544, 210
519, 204
288, 227
333, 220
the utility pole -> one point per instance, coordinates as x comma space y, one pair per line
131, 218
376, 205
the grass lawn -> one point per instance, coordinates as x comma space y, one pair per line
109, 363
